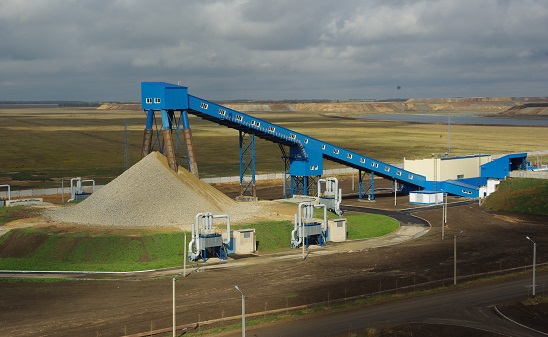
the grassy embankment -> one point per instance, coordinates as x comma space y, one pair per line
37, 249
520, 195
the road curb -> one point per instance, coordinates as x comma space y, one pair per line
514, 322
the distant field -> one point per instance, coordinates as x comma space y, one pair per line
42, 146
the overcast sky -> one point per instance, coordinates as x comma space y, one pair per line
286, 49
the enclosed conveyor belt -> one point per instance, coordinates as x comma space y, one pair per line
307, 153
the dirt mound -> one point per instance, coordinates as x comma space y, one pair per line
463, 100
491, 104
151, 194
120, 106
511, 106
528, 109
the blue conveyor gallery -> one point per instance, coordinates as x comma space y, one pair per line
303, 154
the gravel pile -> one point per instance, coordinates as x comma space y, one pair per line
151, 194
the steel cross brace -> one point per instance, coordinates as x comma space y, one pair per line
247, 165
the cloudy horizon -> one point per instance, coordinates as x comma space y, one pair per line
279, 49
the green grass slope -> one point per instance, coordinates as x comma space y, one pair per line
37, 249
520, 195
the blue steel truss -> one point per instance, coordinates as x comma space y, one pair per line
363, 188
247, 164
287, 174
304, 185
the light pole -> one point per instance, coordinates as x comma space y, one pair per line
445, 211
395, 190
455, 258
243, 310
184, 257
534, 261
442, 215
174, 325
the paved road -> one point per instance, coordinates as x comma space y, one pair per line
404, 217
462, 307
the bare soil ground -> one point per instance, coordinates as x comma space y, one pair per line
489, 242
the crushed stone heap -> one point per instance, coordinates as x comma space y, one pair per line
151, 194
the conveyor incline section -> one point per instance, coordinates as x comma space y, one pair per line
307, 151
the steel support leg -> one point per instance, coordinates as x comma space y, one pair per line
304, 185
169, 150
187, 133
168, 146
147, 142
366, 191
372, 184
361, 174
287, 191
147, 137
247, 165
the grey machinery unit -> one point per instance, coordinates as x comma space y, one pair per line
77, 191
332, 196
3, 199
205, 240
307, 230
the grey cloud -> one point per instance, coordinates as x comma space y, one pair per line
101, 50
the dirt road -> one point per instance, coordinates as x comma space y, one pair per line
468, 307
490, 242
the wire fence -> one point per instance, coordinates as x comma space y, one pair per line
215, 180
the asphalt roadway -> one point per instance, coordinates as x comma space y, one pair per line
469, 307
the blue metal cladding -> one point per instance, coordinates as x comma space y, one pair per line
457, 187
184, 120
501, 167
306, 152
311, 165
166, 119
150, 119
162, 95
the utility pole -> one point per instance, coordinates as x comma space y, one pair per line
534, 262
184, 258
126, 146
449, 133
455, 258
174, 325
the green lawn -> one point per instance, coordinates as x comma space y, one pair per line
5, 216
81, 251
360, 225
36, 249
